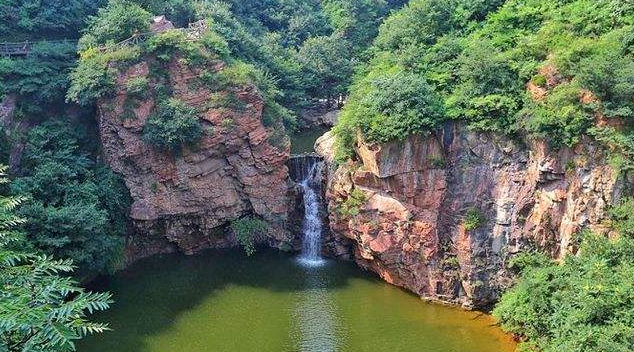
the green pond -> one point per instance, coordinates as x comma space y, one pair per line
223, 301
304, 141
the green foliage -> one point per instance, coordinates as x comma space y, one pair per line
246, 229
582, 305
42, 310
478, 56
40, 79
137, 86
92, 79
473, 219
243, 74
174, 43
389, 104
174, 125
622, 216
619, 143
559, 112
48, 19
352, 205
118, 21
327, 65
76, 208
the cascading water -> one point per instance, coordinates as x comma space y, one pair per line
307, 170
312, 227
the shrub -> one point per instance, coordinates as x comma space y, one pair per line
438, 162
169, 44
77, 209
351, 206
539, 80
622, 216
92, 79
114, 23
42, 308
137, 86
397, 105
246, 229
582, 305
174, 124
473, 219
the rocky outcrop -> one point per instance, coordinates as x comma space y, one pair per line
323, 115
441, 215
184, 200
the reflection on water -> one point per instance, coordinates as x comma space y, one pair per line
222, 301
316, 314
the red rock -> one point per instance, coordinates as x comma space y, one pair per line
409, 231
182, 200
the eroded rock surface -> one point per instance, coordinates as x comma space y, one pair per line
183, 200
411, 229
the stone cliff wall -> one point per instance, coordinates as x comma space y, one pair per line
184, 200
13, 126
416, 194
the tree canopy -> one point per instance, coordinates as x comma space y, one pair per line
535, 69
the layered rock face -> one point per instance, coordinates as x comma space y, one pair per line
183, 200
441, 215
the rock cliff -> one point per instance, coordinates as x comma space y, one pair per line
183, 200
440, 215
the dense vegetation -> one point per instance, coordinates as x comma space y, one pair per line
552, 69
76, 207
585, 304
306, 49
41, 309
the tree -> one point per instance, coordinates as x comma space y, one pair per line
76, 208
40, 309
586, 303
116, 22
328, 66
44, 19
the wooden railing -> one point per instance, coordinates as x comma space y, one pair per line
193, 32
24, 48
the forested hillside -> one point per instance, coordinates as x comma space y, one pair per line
540, 69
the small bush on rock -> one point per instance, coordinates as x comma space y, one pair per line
173, 125
351, 206
473, 219
246, 229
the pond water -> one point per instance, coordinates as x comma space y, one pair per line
223, 301
304, 141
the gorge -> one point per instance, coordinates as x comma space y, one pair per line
317, 175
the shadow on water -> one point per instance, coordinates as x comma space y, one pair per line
222, 301
152, 295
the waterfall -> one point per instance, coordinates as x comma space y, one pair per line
307, 172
